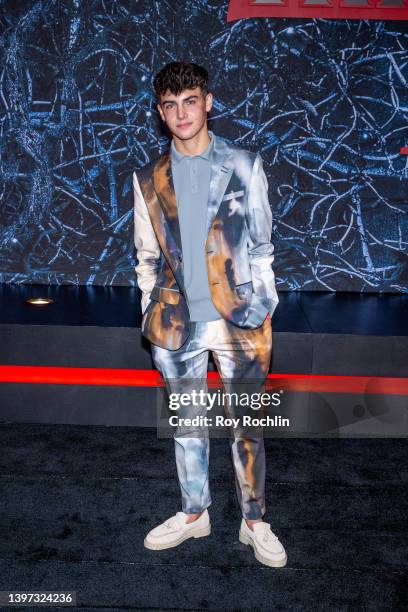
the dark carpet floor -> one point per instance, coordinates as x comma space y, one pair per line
77, 501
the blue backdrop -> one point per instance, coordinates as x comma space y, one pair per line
325, 102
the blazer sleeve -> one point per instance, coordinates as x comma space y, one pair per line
147, 246
260, 247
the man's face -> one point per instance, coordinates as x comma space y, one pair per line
185, 114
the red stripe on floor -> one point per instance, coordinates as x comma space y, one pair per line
151, 378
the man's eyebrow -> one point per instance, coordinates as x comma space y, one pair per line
183, 99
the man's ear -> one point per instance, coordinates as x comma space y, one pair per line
208, 102
159, 108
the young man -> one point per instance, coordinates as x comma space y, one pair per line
203, 237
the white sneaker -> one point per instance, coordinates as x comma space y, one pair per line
267, 547
175, 530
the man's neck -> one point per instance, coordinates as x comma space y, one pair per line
195, 145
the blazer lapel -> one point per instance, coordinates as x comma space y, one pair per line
164, 187
221, 172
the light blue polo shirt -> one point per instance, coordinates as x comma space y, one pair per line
191, 178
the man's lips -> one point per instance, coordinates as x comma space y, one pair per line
184, 125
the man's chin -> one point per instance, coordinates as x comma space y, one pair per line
185, 134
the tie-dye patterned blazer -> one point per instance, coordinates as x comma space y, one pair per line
239, 252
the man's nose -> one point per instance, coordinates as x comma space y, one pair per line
181, 112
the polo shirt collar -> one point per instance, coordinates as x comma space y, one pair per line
176, 156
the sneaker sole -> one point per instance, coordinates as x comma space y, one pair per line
244, 539
199, 533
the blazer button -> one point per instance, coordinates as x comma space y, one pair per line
180, 258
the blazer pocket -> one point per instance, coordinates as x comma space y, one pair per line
165, 294
244, 290
233, 194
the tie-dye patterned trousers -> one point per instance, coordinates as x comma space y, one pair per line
239, 354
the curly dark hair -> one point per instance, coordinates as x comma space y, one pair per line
178, 76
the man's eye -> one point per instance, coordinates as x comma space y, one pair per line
190, 101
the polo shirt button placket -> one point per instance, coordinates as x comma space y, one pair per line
193, 176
